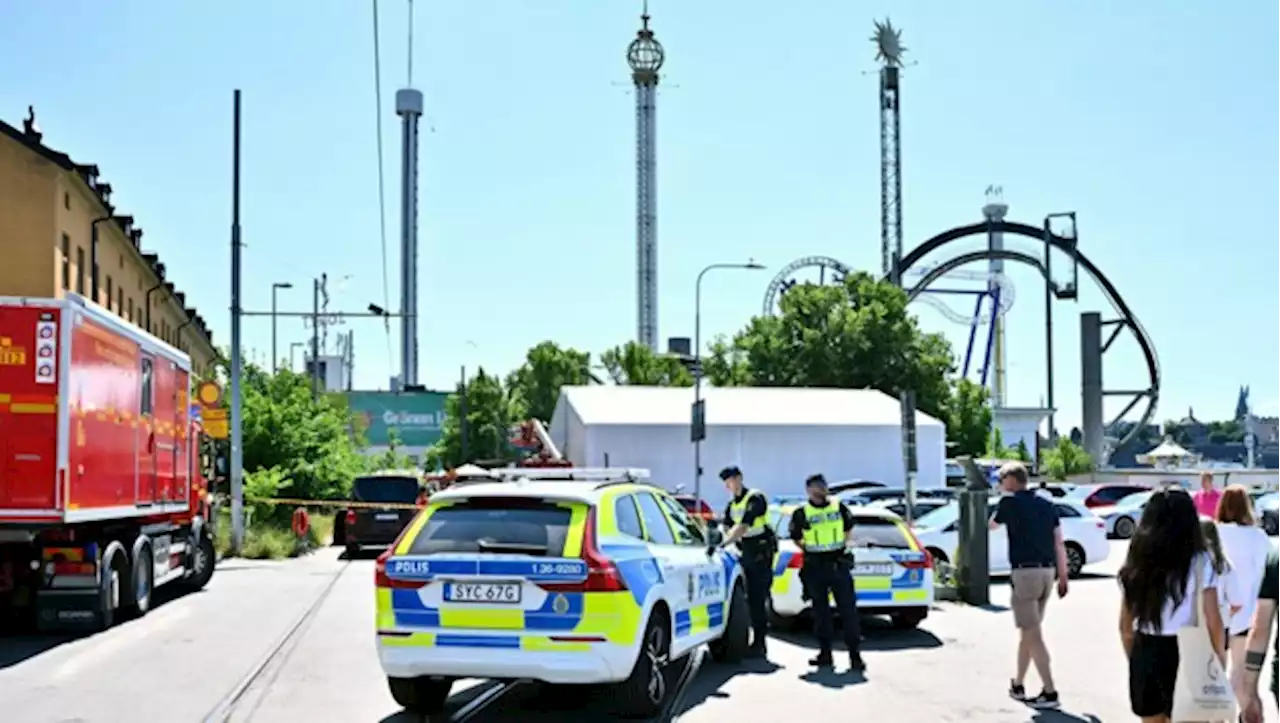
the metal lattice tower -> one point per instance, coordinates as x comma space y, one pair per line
889, 52
645, 56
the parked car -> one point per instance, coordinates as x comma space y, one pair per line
383, 503
1085, 535
1106, 495
1268, 510
1122, 518
697, 509
868, 495
922, 506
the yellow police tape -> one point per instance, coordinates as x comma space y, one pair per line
344, 504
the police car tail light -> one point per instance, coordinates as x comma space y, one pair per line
796, 562
380, 578
602, 574
926, 563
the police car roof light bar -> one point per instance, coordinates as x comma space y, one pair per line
573, 474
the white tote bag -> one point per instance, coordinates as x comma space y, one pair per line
1203, 692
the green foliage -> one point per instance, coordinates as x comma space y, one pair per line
1020, 451
968, 418
490, 413
546, 368
855, 336
306, 442
1065, 459
393, 458
636, 364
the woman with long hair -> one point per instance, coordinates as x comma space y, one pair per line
1166, 555
1247, 546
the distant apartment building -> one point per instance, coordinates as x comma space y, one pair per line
51, 210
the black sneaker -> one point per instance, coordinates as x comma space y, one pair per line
857, 664
1017, 692
1046, 699
823, 660
757, 651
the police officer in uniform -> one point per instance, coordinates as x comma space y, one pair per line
747, 519
823, 528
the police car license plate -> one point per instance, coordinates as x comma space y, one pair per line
869, 569
482, 592
387, 517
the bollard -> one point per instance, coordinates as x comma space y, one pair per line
973, 562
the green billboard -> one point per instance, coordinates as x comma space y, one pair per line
417, 417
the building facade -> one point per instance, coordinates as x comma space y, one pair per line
52, 210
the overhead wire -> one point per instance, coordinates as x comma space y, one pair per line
382, 182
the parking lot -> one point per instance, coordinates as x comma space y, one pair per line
209, 656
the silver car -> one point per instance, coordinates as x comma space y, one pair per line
1122, 519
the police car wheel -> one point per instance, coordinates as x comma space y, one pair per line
909, 619
734, 644
642, 694
425, 696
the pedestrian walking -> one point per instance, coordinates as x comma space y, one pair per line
1208, 496
1245, 680
1247, 547
823, 528
1167, 557
1036, 552
747, 515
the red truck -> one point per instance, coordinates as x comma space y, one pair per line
102, 494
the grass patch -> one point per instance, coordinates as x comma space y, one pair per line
274, 540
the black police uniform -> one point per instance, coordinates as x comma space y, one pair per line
757, 560
830, 573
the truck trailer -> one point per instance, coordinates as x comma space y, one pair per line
102, 490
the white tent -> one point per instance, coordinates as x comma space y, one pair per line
1169, 454
778, 436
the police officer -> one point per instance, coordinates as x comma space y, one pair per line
746, 516
823, 528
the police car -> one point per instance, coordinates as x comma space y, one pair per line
565, 576
892, 572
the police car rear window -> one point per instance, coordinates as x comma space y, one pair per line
879, 532
385, 489
519, 526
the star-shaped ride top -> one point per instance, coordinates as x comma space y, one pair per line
888, 40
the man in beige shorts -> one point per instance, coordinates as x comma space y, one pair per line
1036, 553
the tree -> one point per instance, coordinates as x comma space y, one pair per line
307, 442
856, 335
968, 418
546, 368
637, 365
490, 412
1065, 459
1020, 451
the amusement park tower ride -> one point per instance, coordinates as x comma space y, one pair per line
645, 57
409, 108
889, 52
995, 210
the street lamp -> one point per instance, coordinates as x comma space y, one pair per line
275, 359
698, 424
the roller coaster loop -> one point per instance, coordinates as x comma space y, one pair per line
1067, 246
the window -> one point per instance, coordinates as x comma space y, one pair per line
655, 523
519, 526
687, 531
1066, 511
109, 292
147, 405
66, 262
628, 517
130, 314
66, 200
385, 489
120, 300
878, 532
79, 270
122, 261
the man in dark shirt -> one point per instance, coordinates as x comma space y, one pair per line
1036, 550
823, 528
1264, 618
746, 516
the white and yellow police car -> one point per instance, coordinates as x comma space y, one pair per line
566, 576
892, 572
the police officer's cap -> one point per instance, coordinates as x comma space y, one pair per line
731, 471
816, 480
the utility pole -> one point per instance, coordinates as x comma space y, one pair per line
237, 423
315, 339
462, 414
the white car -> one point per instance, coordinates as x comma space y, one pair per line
1085, 535
1122, 519
892, 573
565, 581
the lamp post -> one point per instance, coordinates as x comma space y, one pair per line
698, 423
275, 358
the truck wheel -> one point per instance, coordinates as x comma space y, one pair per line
734, 643
143, 583
108, 596
201, 561
642, 694
424, 696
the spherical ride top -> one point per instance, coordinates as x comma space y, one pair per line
645, 54
888, 40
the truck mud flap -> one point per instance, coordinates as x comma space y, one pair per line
68, 611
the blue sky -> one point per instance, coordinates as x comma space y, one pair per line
1155, 122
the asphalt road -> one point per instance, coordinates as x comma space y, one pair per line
191, 654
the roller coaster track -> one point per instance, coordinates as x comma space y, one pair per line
1126, 317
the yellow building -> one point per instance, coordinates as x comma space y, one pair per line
52, 210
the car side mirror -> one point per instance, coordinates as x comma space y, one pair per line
714, 536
